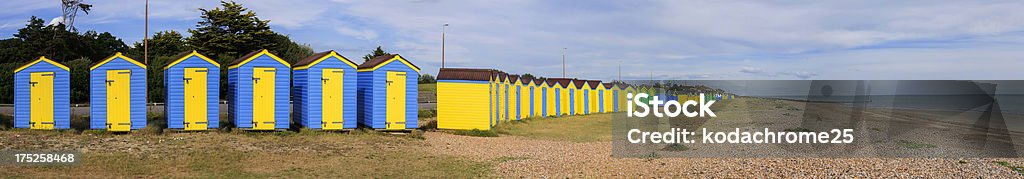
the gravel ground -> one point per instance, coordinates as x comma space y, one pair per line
521, 157
514, 156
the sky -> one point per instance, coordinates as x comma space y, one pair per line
662, 40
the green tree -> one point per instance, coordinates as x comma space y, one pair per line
7, 82
427, 79
289, 51
230, 30
55, 42
154, 72
79, 80
375, 53
164, 43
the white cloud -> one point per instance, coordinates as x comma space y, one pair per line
677, 39
700, 76
364, 34
751, 70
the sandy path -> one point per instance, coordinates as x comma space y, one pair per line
522, 157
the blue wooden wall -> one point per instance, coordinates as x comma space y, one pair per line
372, 90
175, 92
61, 94
308, 88
98, 93
240, 92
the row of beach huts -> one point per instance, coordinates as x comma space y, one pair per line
479, 99
327, 92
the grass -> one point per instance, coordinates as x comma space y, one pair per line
1015, 168
261, 155
6, 122
476, 133
913, 145
427, 87
427, 113
584, 128
504, 159
798, 129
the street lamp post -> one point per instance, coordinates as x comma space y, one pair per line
563, 61
145, 38
443, 28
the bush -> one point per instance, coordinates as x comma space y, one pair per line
155, 124
80, 123
476, 133
427, 113
417, 134
427, 79
6, 122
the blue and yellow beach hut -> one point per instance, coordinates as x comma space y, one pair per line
117, 94
629, 89
42, 95
620, 97
514, 97
592, 96
607, 98
460, 93
537, 98
548, 91
258, 88
325, 92
499, 97
193, 92
387, 89
578, 98
563, 93
524, 100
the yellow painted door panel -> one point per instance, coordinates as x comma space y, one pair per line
195, 99
332, 98
263, 98
118, 100
42, 100
395, 100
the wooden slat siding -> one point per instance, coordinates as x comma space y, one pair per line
301, 93
461, 91
372, 90
307, 91
240, 82
175, 92
61, 95
98, 93
461, 105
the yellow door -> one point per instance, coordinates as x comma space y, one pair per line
42, 100
395, 100
195, 99
332, 98
118, 100
263, 98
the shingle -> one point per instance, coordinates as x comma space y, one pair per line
465, 74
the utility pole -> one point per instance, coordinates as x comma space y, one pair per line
443, 28
620, 71
563, 61
145, 38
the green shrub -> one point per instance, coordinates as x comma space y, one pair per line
476, 133
6, 122
427, 113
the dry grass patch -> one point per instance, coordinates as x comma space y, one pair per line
251, 155
583, 128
